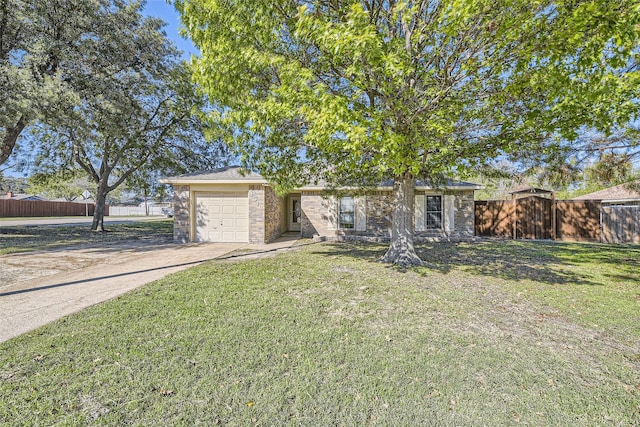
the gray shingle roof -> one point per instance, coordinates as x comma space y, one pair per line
237, 174
226, 174
619, 192
449, 183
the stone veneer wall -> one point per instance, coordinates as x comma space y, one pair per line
181, 207
315, 215
274, 214
265, 214
256, 214
315, 218
378, 210
464, 219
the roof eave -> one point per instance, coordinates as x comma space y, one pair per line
210, 181
185, 181
605, 201
390, 188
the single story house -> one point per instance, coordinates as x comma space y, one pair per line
233, 205
24, 197
619, 213
621, 194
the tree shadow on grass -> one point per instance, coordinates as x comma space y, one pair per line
504, 260
554, 263
360, 250
33, 238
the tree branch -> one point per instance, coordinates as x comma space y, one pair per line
81, 158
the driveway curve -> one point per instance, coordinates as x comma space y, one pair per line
81, 277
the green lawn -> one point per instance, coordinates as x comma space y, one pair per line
492, 333
42, 237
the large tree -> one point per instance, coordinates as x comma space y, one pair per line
43, 44
136, 111
356, 91
144, 123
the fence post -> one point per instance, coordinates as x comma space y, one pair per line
554, 226
514, 217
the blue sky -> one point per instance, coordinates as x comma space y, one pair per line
161, 9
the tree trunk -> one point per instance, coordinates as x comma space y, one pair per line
146, 206
401, 251
10, 137
98, 213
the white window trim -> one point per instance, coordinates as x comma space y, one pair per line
359, 212
340, 227
449, 213
426, 212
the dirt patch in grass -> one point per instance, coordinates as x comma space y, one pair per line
35, 251
516, 317
46, 237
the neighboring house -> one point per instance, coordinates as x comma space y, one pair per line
26, 197
619, 213
225, 205
618, 195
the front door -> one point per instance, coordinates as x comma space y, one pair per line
293, 213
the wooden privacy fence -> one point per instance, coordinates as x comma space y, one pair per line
621, 224
37, 208
578, 220
494, 218
534, 217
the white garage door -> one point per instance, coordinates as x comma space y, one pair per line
222, 217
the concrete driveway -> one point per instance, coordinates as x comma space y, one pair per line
111, 271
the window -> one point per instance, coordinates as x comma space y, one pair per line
295, 211
433, 212
346, 212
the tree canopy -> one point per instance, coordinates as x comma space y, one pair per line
142, 124
46, 47
135, 111
63, 183
594, 158
356, 91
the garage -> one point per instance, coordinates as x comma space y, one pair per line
221, 217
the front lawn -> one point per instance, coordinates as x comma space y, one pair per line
493, 333
43, 237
